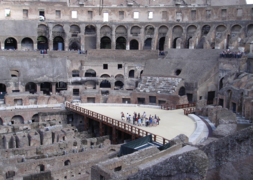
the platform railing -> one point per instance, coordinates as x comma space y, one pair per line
113, 122
180, 106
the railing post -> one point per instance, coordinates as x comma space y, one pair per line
163, 141
114, 135
155, 138
86, 123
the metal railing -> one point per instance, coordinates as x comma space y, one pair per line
180, 106
120, 125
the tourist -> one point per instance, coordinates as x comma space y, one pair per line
151, 121
139, 122
144, 115
139, 116
147, 122
127, 117
158, 119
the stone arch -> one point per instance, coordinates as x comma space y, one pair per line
181, 91
121, 76
58, 31
221, 28
40, 168
42, 43
10, 43
90, 84
174, 45
236, 28
135, 30
134, 44
90, 30
121, 43
131, 73
75, 44
105, 76
250, 30
147, 44
42, 30
119, 84
177, 31
58, 43
162, 31
105, 43
106, 31
17, 119
149, 30
121, 30
46, 87
105, 84
191, 29
161, 43
35, 118
205, 30
31, 87
90, 73
27, 44
2, 88
221, 83
67, 163
74, 29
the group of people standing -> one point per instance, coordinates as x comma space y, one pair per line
229, 54
140, 120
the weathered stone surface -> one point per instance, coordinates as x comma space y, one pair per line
224, 130
180, 139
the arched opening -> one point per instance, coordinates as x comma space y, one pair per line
181, 91
35, 118
58, 44
240, 104
221, 28
105, 43
10, 174
2, 91
149, 30
105, 76
27, 44
177, 72
250, 30
148, 44
141, 73
90, 73
135, 30
121, 31
229, 95
90, 30
17, 120
61, 86
210, 97
175, 43
75, 73
187, 46
134, 45
74, 45
177, 31
40, 168
46, 87
31, 87
161, 43
42, 43
74, 30
221, 83
119, 85
121, 43
67, 163
119, 76
90, 85
105, 84
205, 30
1, 121
10, 43
14, 73
131, 74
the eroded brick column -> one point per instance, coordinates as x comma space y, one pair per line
114, 135
38, 87
101, 128
53, 88
86, 123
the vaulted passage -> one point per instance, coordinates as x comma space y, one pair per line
27, 44
74, 45
105, 43
58, 43
121, 43
31, 87
105, 84
148, 44
161, 43
42, 43
46, 87
134, 45
10, 43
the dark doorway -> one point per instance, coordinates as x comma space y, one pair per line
58, 44
67, 163
10, 43
228, 39
46, 87
105, 84
118, 85
141, 100
234, 107
147, 44
105, 43
121, 43
42, 43
189, 97
90, 100
174, 43
75, 92
27, 44
90, 73
126, 100
31, 87
160, 102
152, 99
221, 101
74, 46
161, 43
181, 91
131, 74
61, 86
134, 45
210, 97
187, 46
221, 83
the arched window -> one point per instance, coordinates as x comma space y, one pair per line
90, 73
181, 91
105, 43
75, 73
121, 43
27, 44
119, 85
46, 87
105, 84
134, 45
17, 120
58, 44
10, 43
42, 43
148, 44
131, 74
31, 87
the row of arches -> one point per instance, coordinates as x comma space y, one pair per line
92, 73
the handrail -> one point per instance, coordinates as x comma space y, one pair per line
121, 125
180, 106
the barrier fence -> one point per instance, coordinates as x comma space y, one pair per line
180, 106
120, 125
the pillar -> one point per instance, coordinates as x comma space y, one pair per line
53, 88
86, 123
101, 128
38, 87
113, 37
114, 135
155, 39
98, 26
122, 136
133, 136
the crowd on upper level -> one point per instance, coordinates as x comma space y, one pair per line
230, 54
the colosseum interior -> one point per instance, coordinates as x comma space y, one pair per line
70, 67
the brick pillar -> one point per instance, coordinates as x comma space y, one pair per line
113, 43
133, 136
86, 123
122, 136
53, 88
101, 128
114, 135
